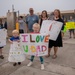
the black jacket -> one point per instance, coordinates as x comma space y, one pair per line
1, 26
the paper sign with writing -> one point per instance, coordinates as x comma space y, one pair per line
34, 44
52, 28
70, 25
3, 35
16, 54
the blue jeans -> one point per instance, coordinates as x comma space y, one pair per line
41, 59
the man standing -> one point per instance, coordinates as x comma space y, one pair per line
71, 30
21, 25
31, 19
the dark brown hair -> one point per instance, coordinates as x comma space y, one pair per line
45, 12
1, 21
58, 12
21, 17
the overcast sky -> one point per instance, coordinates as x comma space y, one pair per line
38, 5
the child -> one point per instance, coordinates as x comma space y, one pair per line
36, 29
1, 27
15, 37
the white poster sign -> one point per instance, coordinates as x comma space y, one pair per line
52, 28
34, 44
16, 54
3, 35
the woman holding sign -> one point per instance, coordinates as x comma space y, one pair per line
58, 42
44, 16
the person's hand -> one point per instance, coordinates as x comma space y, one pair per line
4, 29
48, 35
18, 40
11, 42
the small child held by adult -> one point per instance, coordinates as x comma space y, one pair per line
36, 29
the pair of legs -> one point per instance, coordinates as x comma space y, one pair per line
19, 63
55, 52
21, 31
1, 56
41, 59
72, 32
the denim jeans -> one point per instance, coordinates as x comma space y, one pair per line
41, 59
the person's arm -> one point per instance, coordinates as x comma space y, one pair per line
5, 25
40, 22
2, 26
62, 34
63, 25
10, 41
18, 39
37, 17
26, 26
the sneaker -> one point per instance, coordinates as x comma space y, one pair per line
2, 57
19, 63
42, 67
30, 64
14, 64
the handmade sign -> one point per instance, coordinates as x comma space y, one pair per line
52, 28
70, 25
3, 35
34, 44
16, 54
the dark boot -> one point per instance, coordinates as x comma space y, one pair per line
2, 57
14, 64
19, 63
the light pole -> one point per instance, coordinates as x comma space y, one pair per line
13, 8
18, 14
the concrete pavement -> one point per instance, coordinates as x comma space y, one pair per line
63, 65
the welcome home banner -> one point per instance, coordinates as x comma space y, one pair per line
34, 44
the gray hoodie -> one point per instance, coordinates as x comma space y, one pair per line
21, 25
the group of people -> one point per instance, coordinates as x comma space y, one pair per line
33, 25
32, 19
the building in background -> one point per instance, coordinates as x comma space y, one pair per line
11, 17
